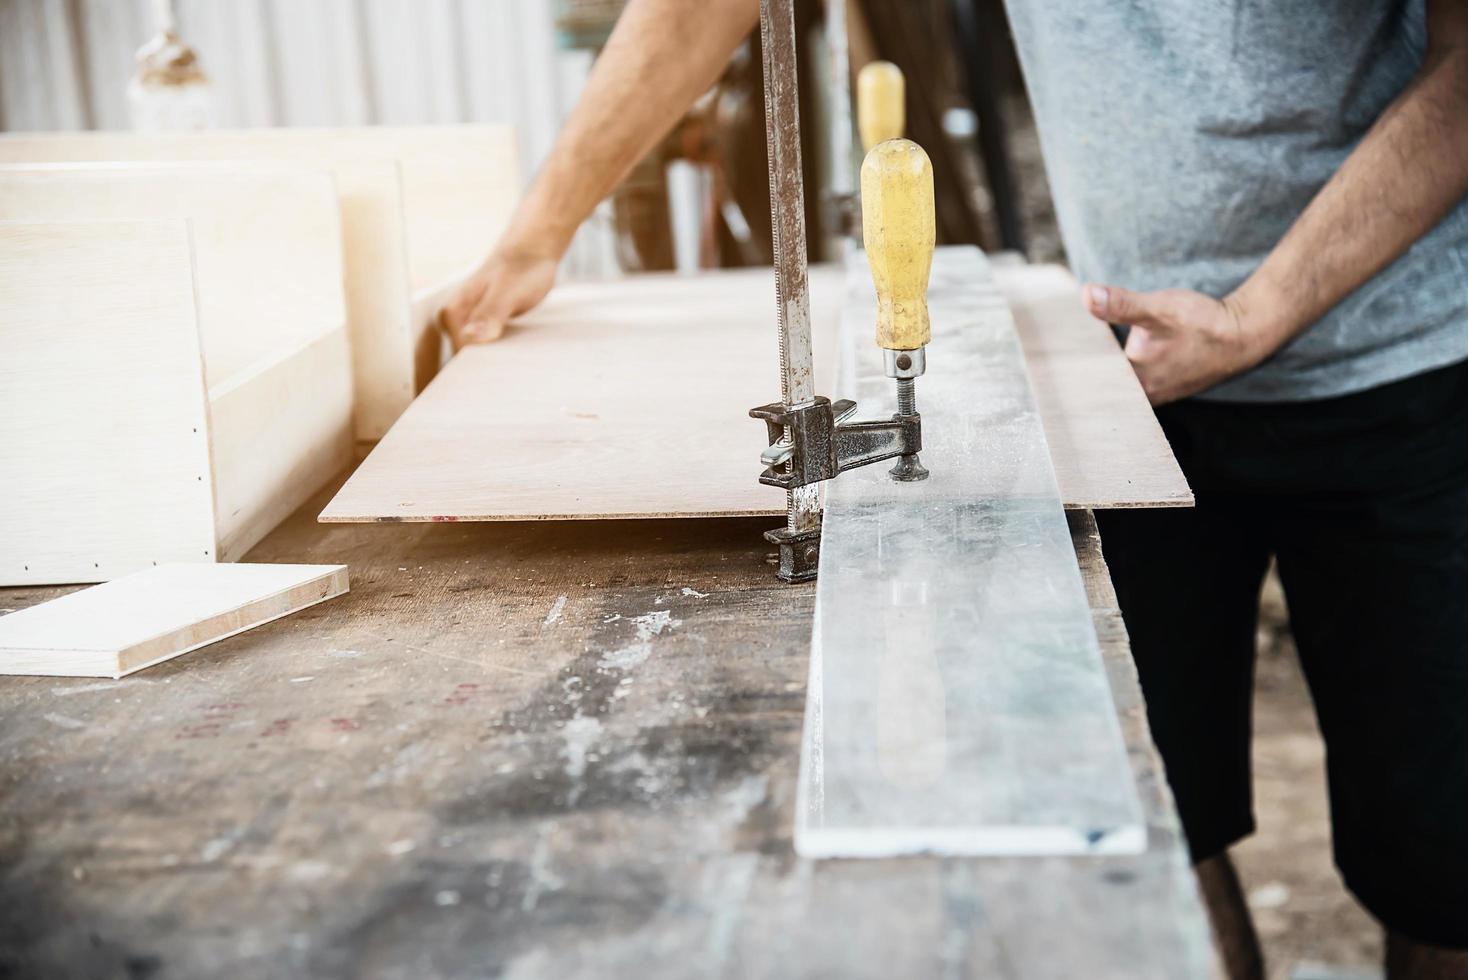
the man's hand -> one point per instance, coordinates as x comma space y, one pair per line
510, 282
1181, 342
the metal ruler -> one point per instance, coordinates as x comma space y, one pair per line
957, 701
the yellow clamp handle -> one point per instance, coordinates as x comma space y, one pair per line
899, 230
881, 103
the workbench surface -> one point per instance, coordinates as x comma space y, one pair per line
531, 750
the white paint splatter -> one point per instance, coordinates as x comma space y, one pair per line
216, 849
580, 735
61, 721
648, 625
694, 593
304, 871
302, 680
62, 692
555, 611
542, 878
400, 847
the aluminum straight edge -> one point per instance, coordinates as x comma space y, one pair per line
957, 701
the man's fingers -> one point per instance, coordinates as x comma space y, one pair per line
1116, 305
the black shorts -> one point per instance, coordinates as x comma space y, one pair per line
1363, 502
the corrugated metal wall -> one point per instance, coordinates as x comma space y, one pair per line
65, 64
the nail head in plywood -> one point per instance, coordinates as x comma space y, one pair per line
122, 626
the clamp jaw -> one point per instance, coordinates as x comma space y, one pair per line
815, 441
821, 444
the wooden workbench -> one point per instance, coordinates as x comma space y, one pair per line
536, 750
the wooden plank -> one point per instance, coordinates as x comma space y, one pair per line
104, 457
276, 437
267, 244
266, 275
419, 205
624, 399
957, 703
1108, 450
427, 791
133, 622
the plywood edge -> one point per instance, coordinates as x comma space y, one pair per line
333, 581
1107, 447
279, 439
166, 248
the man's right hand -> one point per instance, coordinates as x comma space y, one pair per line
510, 282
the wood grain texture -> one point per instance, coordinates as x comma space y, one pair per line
267, 244
419, 205
1108, 450
613, 400
574, 396
276, 438
104, 443
133, 622
459, 769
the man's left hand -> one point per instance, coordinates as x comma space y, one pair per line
1181, 342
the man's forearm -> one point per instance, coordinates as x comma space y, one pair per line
662, 55
1409, 170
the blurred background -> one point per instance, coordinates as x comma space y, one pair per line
700, 200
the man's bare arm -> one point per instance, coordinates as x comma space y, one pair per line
1409, 170
661, 57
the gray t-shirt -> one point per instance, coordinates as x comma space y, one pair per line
1182, 139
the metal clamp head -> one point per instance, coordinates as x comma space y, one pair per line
904, 364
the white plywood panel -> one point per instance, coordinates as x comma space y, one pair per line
957, 702
276, 437
267, 243
139, 620
104, 457
460, 189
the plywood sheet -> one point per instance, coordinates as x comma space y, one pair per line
586, 373
267, 244
957, 702
113, 629
1108, 450
104, 430
419, 205
623, 399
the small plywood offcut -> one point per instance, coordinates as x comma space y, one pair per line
122, 626
622, 399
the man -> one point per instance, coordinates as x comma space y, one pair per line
1279, 186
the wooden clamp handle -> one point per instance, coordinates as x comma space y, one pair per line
881, 103
900, 230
